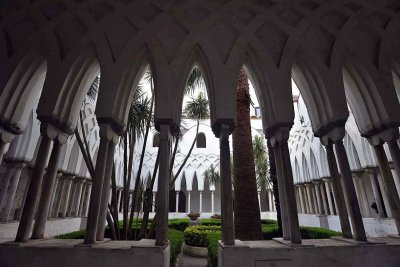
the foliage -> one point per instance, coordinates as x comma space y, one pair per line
176, 239
211, 175
193, 215
139, 113
194, 81
216, 216
72, 235
268, 221
260, 162
210, 221
178, 224
213, 238
317, 233
197, 108
197, 235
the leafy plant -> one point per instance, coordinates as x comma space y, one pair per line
197, 235
211, 175
193, 215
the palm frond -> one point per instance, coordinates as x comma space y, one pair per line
195, 80
211, 175
197, 108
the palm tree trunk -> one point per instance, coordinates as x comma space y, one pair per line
171, 165
273, 178
148, 199
171, 184
125, 199
114, 203
246, 208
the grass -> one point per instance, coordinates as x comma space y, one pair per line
176, 239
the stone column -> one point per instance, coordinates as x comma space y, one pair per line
77, 197
309, 198
53, 197
163, 188
314, 198
358, 180
82, 197
106, 189
259, 198
324, 201
212, 201
284, 169
61, 184
47, 188
228, 230
384, 195
119, 200
319, 198
329, 196
32, 198
74, 185
107, 135
87, 199
375, 191
377, 142
336, 184
305, 199
5, 183
200, 201
67, 195
350, 192
12, 190
177, 202
302, 208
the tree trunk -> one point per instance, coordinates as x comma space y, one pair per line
273, 178
246, 208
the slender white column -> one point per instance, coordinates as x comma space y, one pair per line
201, 201
329, 196
375, 191
273, 201
188, 204
384, 195
324, 201
309, 198
319, 198
212, 201
395, 153
53, 197
259, 198
302, 209
359, 181
162, 188
177, 202
74, 187
314, 199
78, 195
67, 195
32, 197
119, 199
61, 193
11, 192
269, 192
82, 198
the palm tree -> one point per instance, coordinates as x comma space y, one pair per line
211, 175
260, 162
196, 109
246, 208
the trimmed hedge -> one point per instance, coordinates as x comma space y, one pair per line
176, 239
178, 224
197, 235
210, 222
308, 232
212, 247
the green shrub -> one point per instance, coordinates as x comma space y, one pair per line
212, 247
197, 235
210, 222
176, 239
270, 231
268, 221
72, 235
316, 232
178, 224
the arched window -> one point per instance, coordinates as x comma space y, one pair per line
156, 140
201, 140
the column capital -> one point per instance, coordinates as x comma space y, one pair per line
333, 136
7, 136
51, 132
278, 135
319, 181
80, 179
223, 127
108, 133
383, 137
